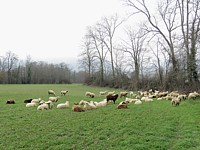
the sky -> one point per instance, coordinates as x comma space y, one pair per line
50, 30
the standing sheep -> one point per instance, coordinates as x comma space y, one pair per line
54, 99
175, 101
63, 92
51, 92
112, 97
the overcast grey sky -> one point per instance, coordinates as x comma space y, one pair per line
50, 29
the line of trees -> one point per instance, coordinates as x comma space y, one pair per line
161, 52
14, 71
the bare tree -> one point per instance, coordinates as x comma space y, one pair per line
190, 27
11, 60
108, 26
134, 47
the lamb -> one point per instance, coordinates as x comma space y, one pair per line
31, 104
51, 92
175, 101
77, 108
54, 99
63, 92
112, 97
89, 94
63, 105
123, 94
46, 105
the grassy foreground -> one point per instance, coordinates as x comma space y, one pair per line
150, 126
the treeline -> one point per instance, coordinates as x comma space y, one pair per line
160, 52
16, 71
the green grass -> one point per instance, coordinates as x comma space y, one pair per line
151, 126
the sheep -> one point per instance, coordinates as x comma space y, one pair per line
77, 108
110, 93
51, 92
28, 100
138, 102
10, 102
89, 94
54, 99
130, 100
122, 106
193, 95
36, 100
63, 105
112, 97
175, 101
63, 92
131, 93
87, 106
123, 94
46, 105
102, 93
101, 103
31, 104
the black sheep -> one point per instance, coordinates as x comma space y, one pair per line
112, 97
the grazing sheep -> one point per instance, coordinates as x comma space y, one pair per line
36, 100
63, 92
46, 105
31, 104
77, 108
123, 94
193, 95
51, 92
54, 99
28, 100
175, 101
63, 105
112, 97
102, 93
110, 93
89, 94
10, 102
122, 106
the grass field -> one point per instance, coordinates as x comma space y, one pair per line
154, 125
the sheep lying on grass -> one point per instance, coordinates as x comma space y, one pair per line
45, 106
138, 102
28, 100
51, 92
63, 105
101, 103
10, 102
31, 104
77, 108
36, 100
122, 105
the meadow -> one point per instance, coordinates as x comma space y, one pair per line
153, 125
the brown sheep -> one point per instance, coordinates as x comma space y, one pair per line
10, 102
77, 108
122, 106
112, 97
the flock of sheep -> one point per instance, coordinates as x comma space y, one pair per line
127, 97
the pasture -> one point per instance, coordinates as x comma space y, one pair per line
153, 125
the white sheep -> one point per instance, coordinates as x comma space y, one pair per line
193, 95
130, 100
102, 103
36, 100
63, 92
63, 105
102, 93
175, 101
123, 94
46, 105
110, 93
51, 92
31, 104
54, 99
138, 102
89, 94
